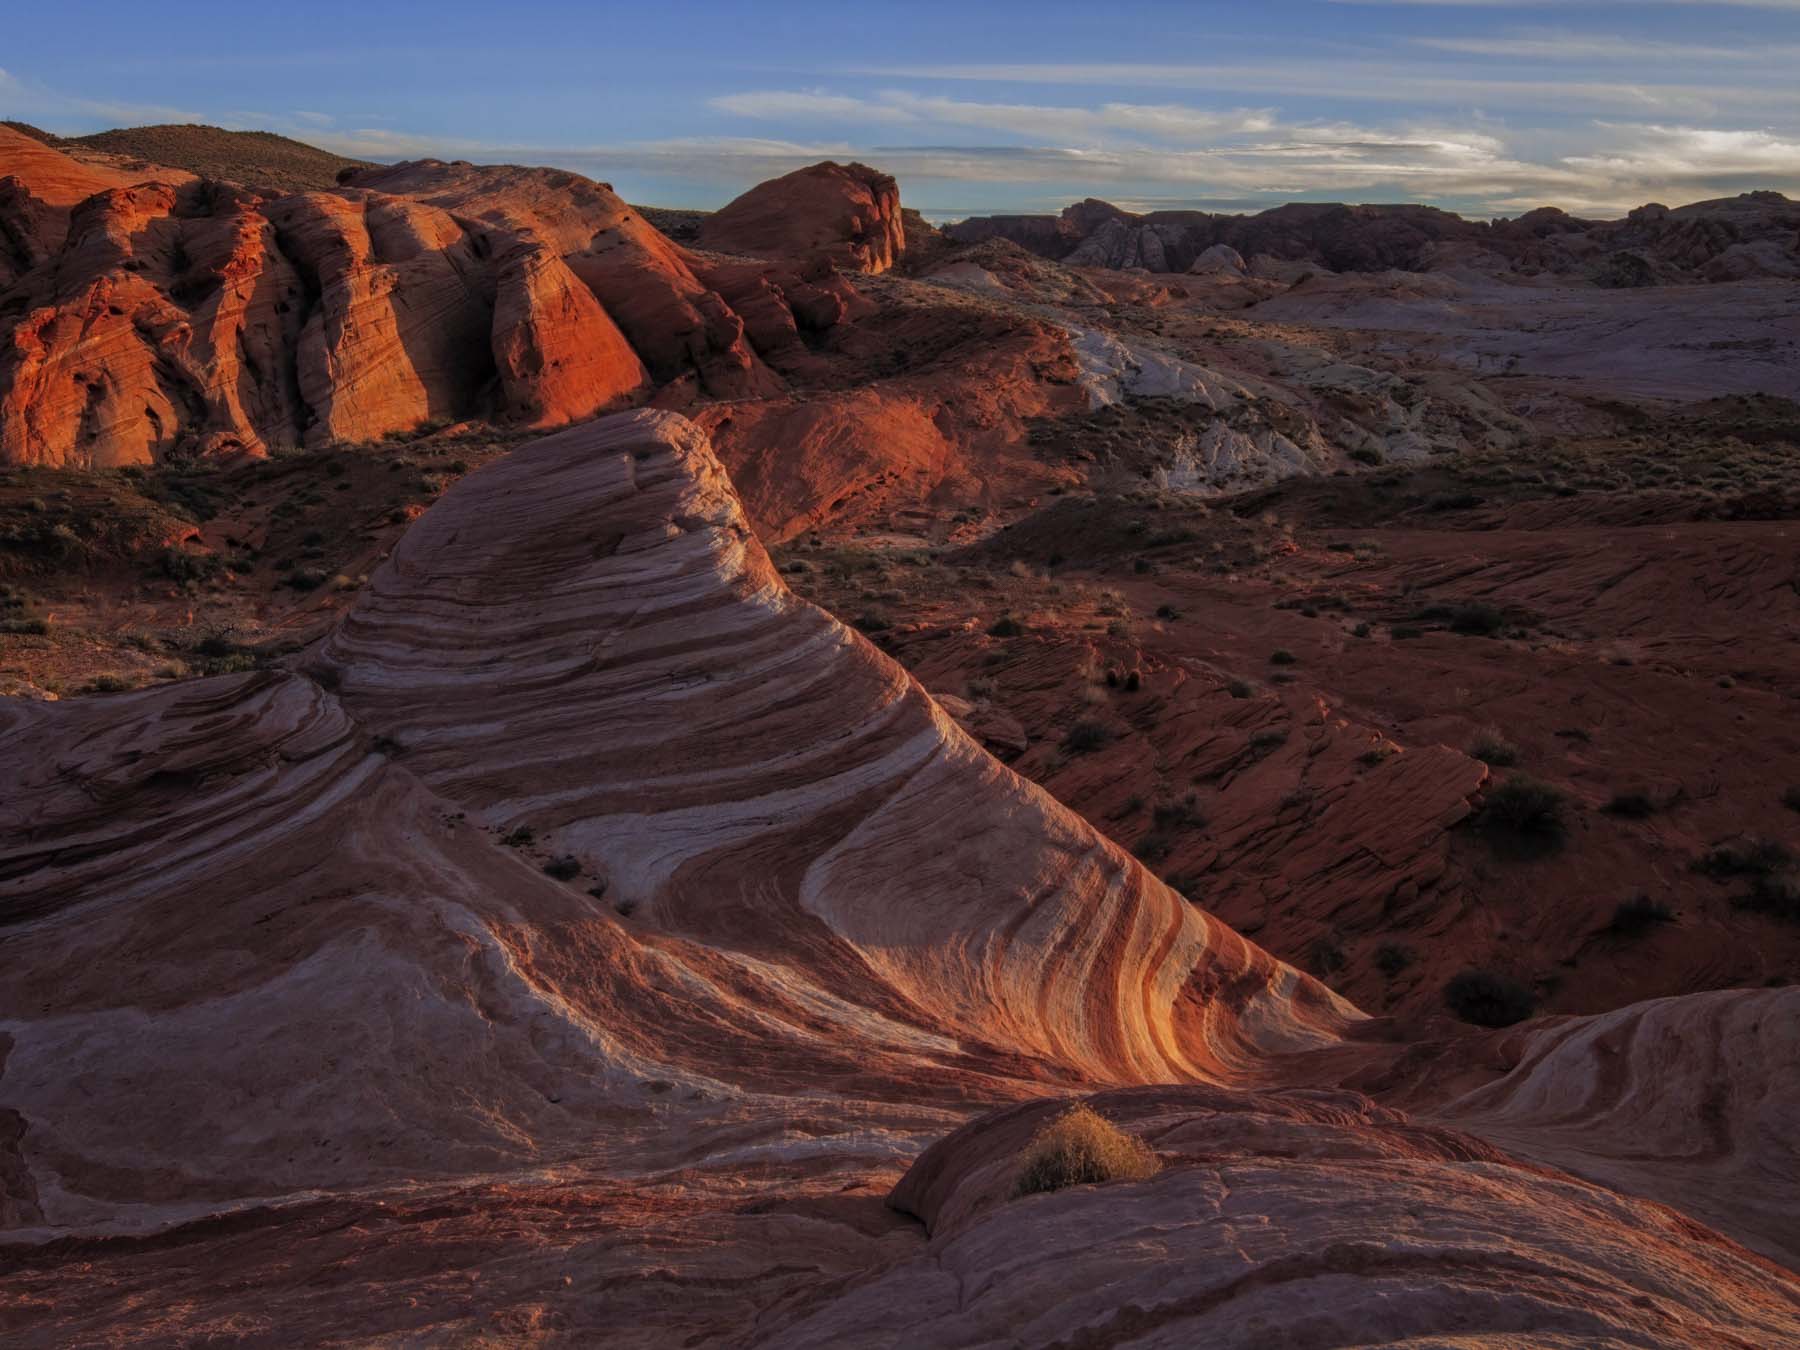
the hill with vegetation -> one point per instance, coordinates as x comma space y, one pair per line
257, 158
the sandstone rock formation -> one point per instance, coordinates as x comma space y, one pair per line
587, 913
1756, 234
1308, 1218
183, 319
62, 180
846, 213
776, 890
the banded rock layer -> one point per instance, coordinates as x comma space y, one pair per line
589, 917
295, 920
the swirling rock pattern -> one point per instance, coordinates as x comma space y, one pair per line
1293, 1218
587, 933
586, 643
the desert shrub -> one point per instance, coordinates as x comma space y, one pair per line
1085, 737
871, 622
1455, 501
180, 565
1281, 656
1005, 627
1776, 893
1791, 798
565, 868
1476, 620
1391, 958
109, 684
1368, 454
305, 579
1328, 957
518, 837
1266, 740
1081, 1148
1488, 999
1361, 630
1180, 815
1153, 847
1751, 857
1167, 612
1240, 689
1638, 915
1631, 805
1405, 632
1526, 806
1495, 751
25, 627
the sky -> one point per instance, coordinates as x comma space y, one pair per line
1488, 107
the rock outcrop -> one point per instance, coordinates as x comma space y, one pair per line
583, 647
847, 214
61, 180
586, 911
192, 319
1753, 235
1292, 1218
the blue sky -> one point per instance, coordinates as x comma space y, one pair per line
1484, 106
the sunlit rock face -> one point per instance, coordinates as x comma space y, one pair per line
848, 214
589, 923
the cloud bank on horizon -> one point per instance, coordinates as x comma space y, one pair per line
1481, 106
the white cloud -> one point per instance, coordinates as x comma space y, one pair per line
776, 104
1388, 81
893, 107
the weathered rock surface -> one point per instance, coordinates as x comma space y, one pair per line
200, 319
62, 180
587, 933
846, 213
468, 696
1756, 234
1307, 1218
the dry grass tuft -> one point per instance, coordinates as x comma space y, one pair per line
1081, 1147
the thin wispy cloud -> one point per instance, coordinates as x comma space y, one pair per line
1484, 106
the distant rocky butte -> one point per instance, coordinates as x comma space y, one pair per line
624, 927
847, 214
143, 319
1756, 234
